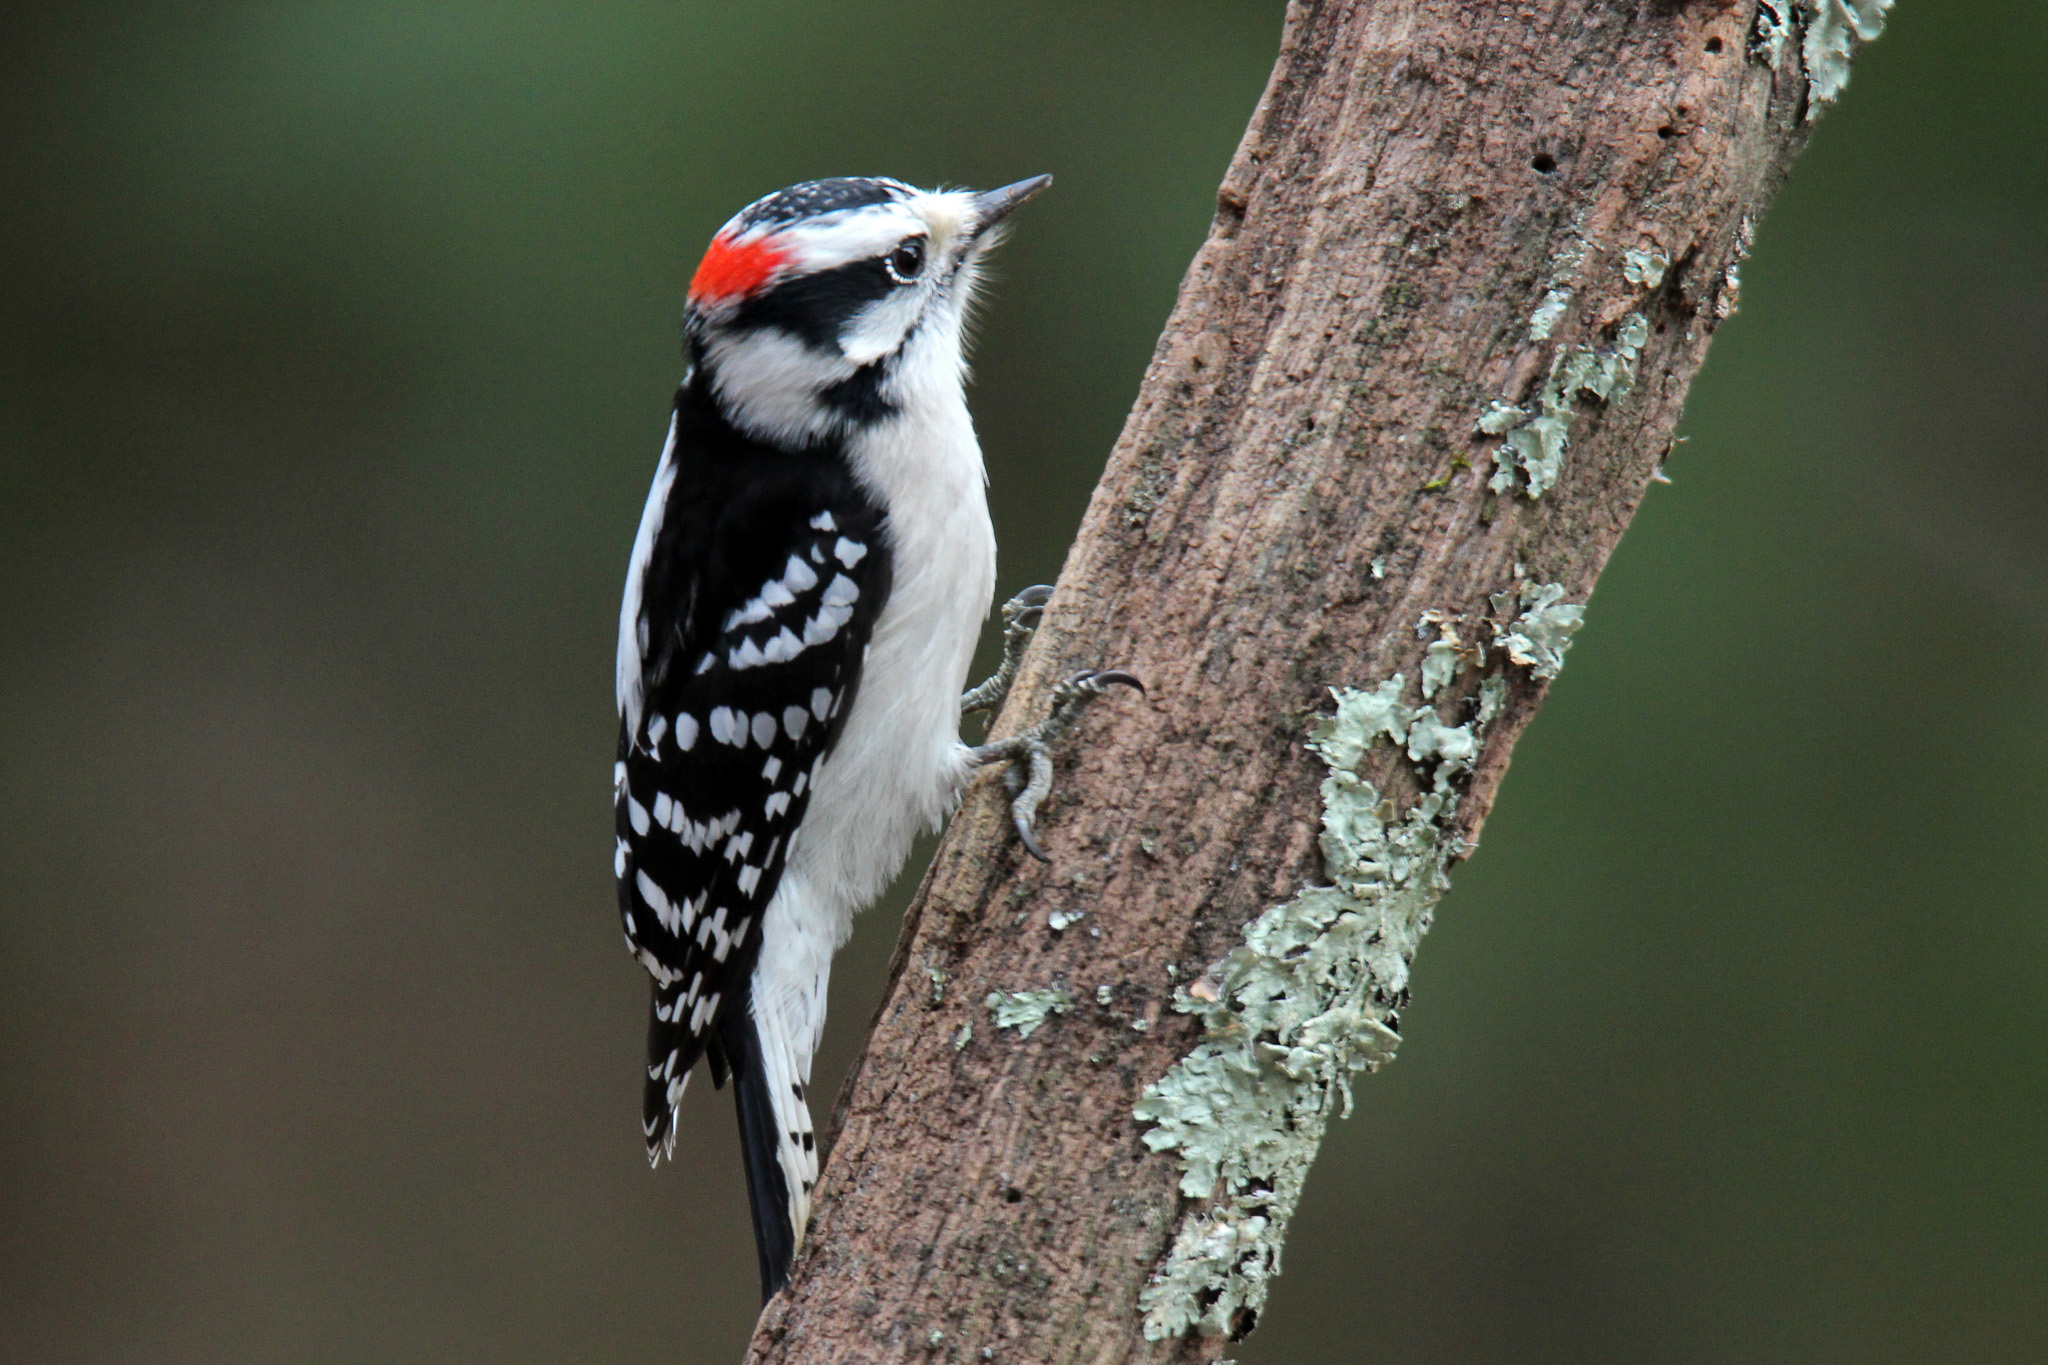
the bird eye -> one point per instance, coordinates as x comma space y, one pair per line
906, 262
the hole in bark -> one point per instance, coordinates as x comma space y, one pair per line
1242, 1322
1544, 163
1013, 1195
1667, 132
1713, 44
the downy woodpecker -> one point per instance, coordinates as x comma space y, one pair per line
803, 600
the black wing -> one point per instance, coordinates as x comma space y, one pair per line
757, 605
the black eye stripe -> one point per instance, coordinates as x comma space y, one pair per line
818, 307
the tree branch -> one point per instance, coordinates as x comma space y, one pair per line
1463, 268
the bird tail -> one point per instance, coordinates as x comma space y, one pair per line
669, 1060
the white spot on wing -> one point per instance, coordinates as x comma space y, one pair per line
821, 702
726, 727
794, 719
826, 624
657, 900
842, 591
686, 731
637, 815
797, 576
849, 552
823, 522
764, 729
756, 610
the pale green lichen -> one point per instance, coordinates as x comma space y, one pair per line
1439, 665
1493, 694
1362, 718
1538, 637
1548, 312
1445, 655
1644, 268
1307, 1000
1773, 27
1533, 444
1430, 740
1834, 29
1025, 1011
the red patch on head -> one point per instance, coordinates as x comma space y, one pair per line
734, 269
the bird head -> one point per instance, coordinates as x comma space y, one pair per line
840, 303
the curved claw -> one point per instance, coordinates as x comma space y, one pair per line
1116, 677
1024, 834
1027, 606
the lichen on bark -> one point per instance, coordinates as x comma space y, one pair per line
1309, 998
1531, 453
1834, 30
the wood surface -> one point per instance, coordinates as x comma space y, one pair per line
1416, 179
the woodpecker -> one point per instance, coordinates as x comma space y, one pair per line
801, 606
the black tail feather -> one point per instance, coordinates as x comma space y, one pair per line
767, 1191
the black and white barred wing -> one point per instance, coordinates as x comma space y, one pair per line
742, 697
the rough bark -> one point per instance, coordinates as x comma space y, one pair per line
1419, 177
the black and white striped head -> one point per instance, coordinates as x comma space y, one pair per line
839, 303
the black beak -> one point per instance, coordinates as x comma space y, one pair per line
992, 206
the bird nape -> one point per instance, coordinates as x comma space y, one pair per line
803, 600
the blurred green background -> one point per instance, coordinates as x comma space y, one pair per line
338, 342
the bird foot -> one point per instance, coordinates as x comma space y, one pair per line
1029, 754
1020, 618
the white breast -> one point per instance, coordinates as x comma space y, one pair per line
899, 763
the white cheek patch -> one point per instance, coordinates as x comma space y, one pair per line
771, 382
879, 329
